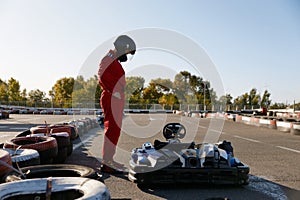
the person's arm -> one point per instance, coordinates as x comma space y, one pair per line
108, 76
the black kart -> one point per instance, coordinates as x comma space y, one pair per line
176, 162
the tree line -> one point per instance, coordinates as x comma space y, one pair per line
185, 89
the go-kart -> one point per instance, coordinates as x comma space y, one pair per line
176, 162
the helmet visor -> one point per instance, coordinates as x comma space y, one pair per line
132, 52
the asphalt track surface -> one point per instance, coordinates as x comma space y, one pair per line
273, 156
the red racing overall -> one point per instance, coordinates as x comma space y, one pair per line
112, 80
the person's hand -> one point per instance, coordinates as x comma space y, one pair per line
117, 95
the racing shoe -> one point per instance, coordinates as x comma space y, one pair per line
113, 167
111, 170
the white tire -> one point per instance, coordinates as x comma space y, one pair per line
83, 188
24, 157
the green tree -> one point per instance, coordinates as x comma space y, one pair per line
168, 100
265, 100
133, 89
181, 86
62, 91
241, 102
163, 85
278, 106
24, 95
86, 93
36, 96
253, 99
14, 93
150, 94
226, 100
3, 91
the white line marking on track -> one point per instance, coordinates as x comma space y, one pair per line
248, 139
268, 188
76, 146
285, 148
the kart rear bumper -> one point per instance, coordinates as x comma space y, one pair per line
233, 175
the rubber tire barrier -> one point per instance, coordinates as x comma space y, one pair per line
58, 170
24, 133
46, 146
64, 144
24, 157
295, 130
5, 157
61, 139
62, 188
71, 130
73, 133
70, 149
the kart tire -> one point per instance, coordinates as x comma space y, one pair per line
58, 170
24, 157
62, 188
5, 159
46, 146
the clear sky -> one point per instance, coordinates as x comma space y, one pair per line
253, 43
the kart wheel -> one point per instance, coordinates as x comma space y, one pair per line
62, 188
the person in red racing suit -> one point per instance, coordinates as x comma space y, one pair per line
111, 77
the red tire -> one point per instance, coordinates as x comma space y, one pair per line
40, 129
5, 159
70, 129
46, 146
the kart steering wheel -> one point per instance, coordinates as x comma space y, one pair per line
174, 131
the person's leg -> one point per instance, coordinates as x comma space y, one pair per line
113, 113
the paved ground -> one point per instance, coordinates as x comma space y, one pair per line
273, 156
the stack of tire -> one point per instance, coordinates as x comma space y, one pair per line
64, 182
26, 165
